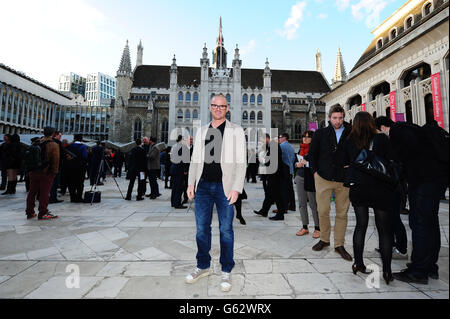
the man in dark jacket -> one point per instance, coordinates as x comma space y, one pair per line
137, 168
427, 177
178, 170
76, 158
153, 166
98, 152
3, 161
327, 164
273, 170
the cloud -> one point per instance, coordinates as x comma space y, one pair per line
53, 37
342, 4
250, 47
293, 22
369, 10
322, 16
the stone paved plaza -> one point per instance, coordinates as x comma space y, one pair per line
144, 250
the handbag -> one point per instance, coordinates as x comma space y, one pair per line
376, 166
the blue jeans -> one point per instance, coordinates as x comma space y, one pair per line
207, 195
424, 222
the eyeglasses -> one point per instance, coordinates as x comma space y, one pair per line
222, 107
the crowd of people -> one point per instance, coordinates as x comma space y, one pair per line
330, 165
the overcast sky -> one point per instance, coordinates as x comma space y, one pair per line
48, 37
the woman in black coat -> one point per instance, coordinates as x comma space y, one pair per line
368, 191
12, 162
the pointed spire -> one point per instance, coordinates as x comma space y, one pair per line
140, 52
173, 67
125, 62
220, 37
318, 61
267, 68
236, 53
340, 76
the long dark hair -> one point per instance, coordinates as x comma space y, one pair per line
363, 129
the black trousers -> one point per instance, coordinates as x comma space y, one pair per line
75, 183
118, 170
4, 177
153, 179
291, 194
272, 194
400, 240
141, 185
177, 182
94, 173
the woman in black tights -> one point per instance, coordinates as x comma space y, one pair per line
367, 191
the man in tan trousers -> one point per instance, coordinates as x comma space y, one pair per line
327, 154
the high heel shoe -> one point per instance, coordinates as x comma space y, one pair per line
362, 269
387, 276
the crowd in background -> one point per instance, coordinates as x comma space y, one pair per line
326, 168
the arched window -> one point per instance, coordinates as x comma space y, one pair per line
187, 115
180, 115
427, 9
259, 99
195, 97
408, 22
195, 114
408, 111
298, 130
260, 117
165, 131
252, 99
393, 34
245, 116
228, 98
245, 99
137, 129
180, 96
188, 97
429, 110
388, 112
379, 43
252, 117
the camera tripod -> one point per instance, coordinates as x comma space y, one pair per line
99, 173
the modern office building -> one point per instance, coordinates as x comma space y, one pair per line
72, 83
100, 89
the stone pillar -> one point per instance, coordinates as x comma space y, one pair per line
8, 93
420, 103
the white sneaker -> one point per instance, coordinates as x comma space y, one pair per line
398, 255
196, 275
225, 284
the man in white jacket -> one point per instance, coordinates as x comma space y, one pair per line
216, 176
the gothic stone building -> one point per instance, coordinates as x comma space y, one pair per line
153, 100
404, 72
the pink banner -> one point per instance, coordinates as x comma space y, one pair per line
437, 102
399, 117
363, 107
393, 105
312, 126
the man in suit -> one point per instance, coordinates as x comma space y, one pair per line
327, 164
153, 166
137, 168
273, 170
179, 169
96, 158
217, 174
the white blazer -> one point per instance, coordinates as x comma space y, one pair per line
232, 161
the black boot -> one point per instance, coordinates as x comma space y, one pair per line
3, 186
13, 187
8, 188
